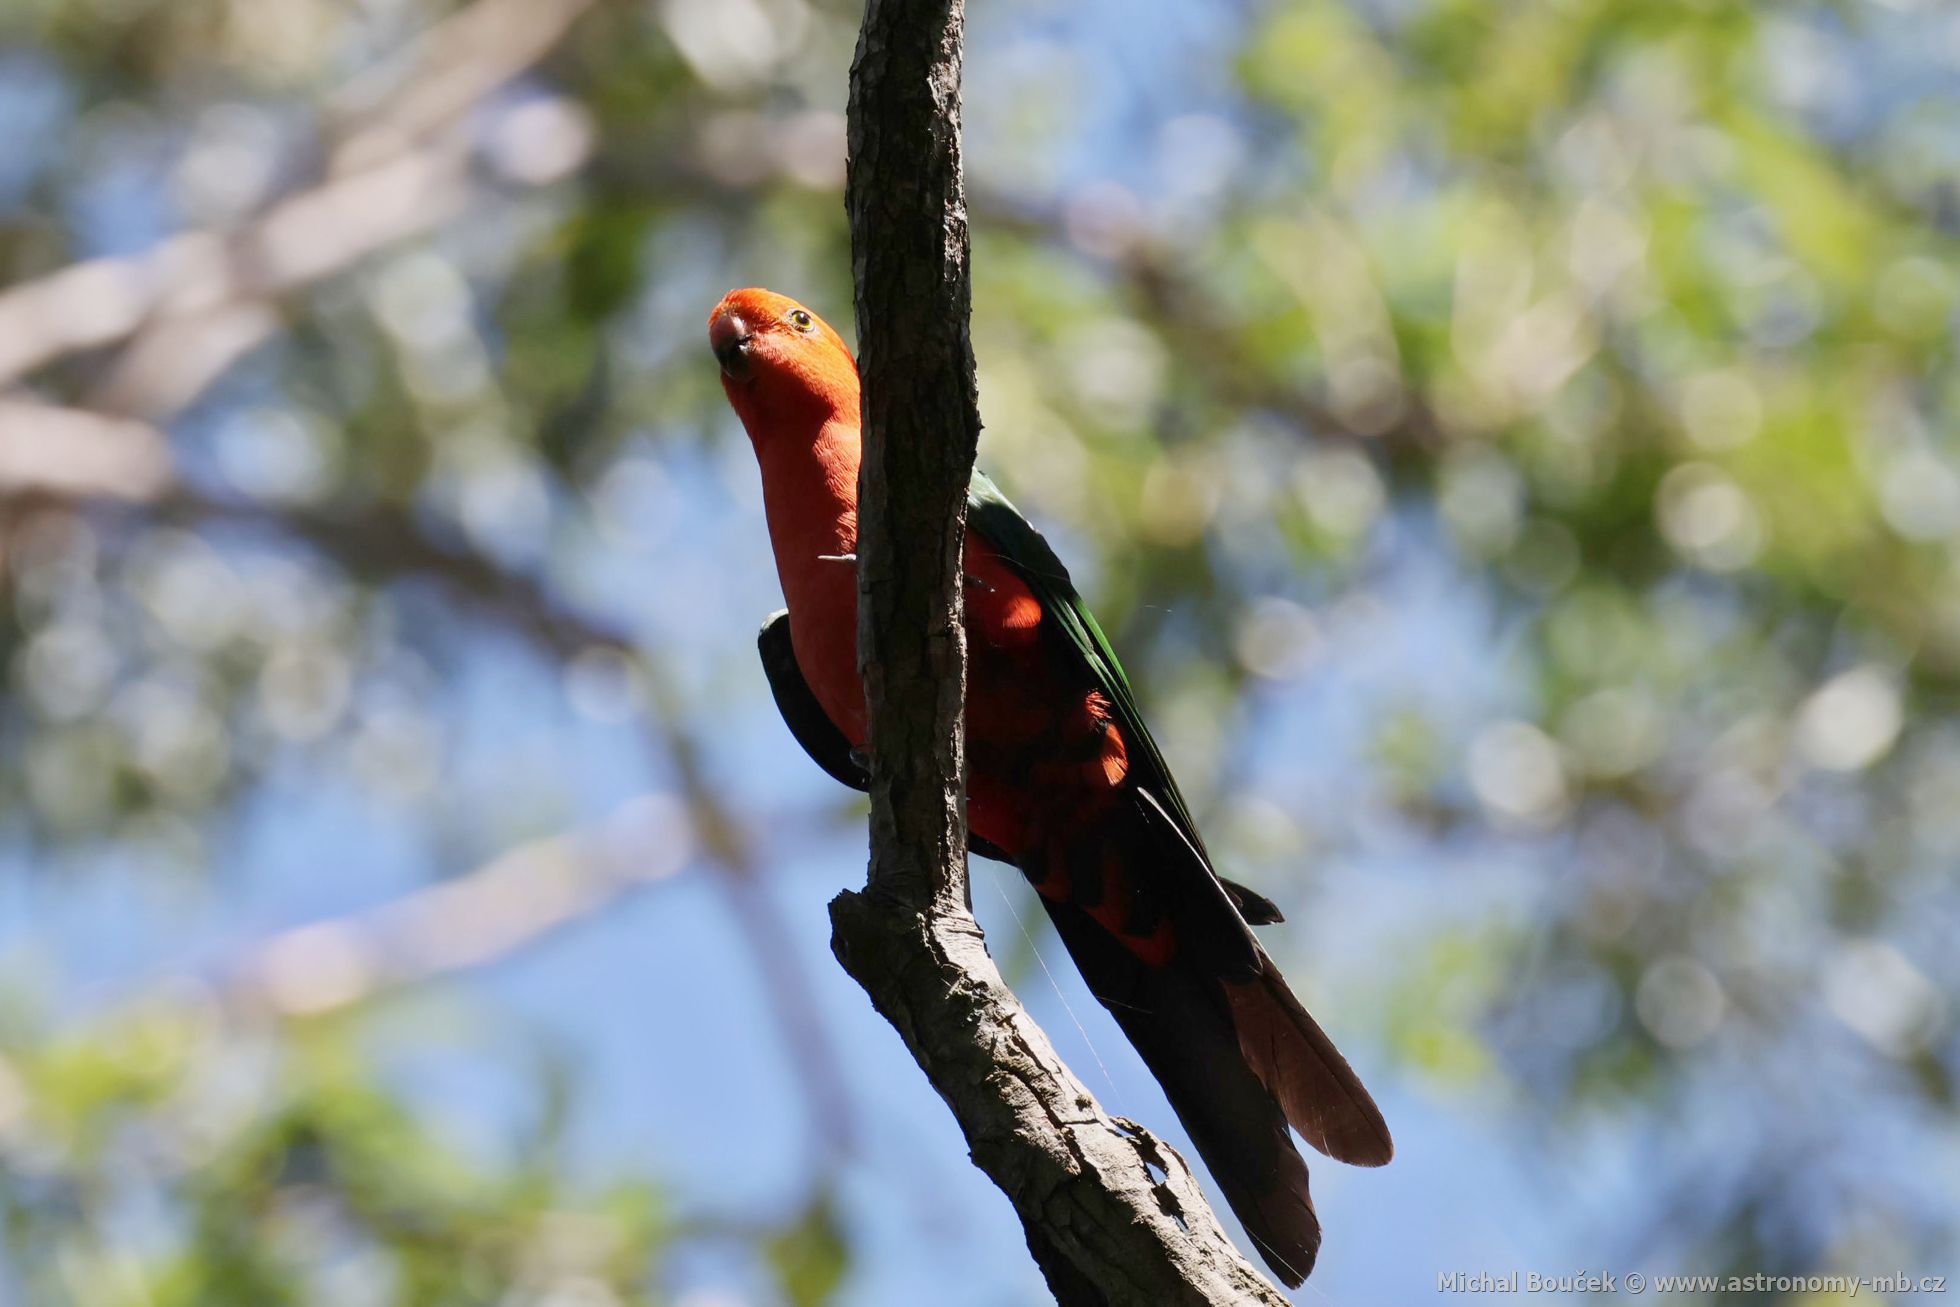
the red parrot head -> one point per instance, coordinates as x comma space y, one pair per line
780, 360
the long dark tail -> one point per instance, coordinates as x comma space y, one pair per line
1239, 1062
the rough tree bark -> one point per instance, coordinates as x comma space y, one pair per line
1112, 1215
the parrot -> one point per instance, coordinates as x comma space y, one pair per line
1064, 783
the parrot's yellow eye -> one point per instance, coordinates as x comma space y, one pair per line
801, 320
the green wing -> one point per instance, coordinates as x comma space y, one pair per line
989, 513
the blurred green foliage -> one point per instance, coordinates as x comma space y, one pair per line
169, 1157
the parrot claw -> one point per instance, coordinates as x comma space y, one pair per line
838, 558
862, 758
971, 579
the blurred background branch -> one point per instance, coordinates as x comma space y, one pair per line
197, 302
467, 920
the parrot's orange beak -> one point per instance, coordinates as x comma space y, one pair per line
730, 338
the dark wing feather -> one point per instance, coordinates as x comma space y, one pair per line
1256, 908
804, 716
1209, 913
811, 725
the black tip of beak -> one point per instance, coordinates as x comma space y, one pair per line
731, 340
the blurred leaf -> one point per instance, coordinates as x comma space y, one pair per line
810, 1257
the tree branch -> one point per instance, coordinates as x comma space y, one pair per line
1103, 1229
921, 428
